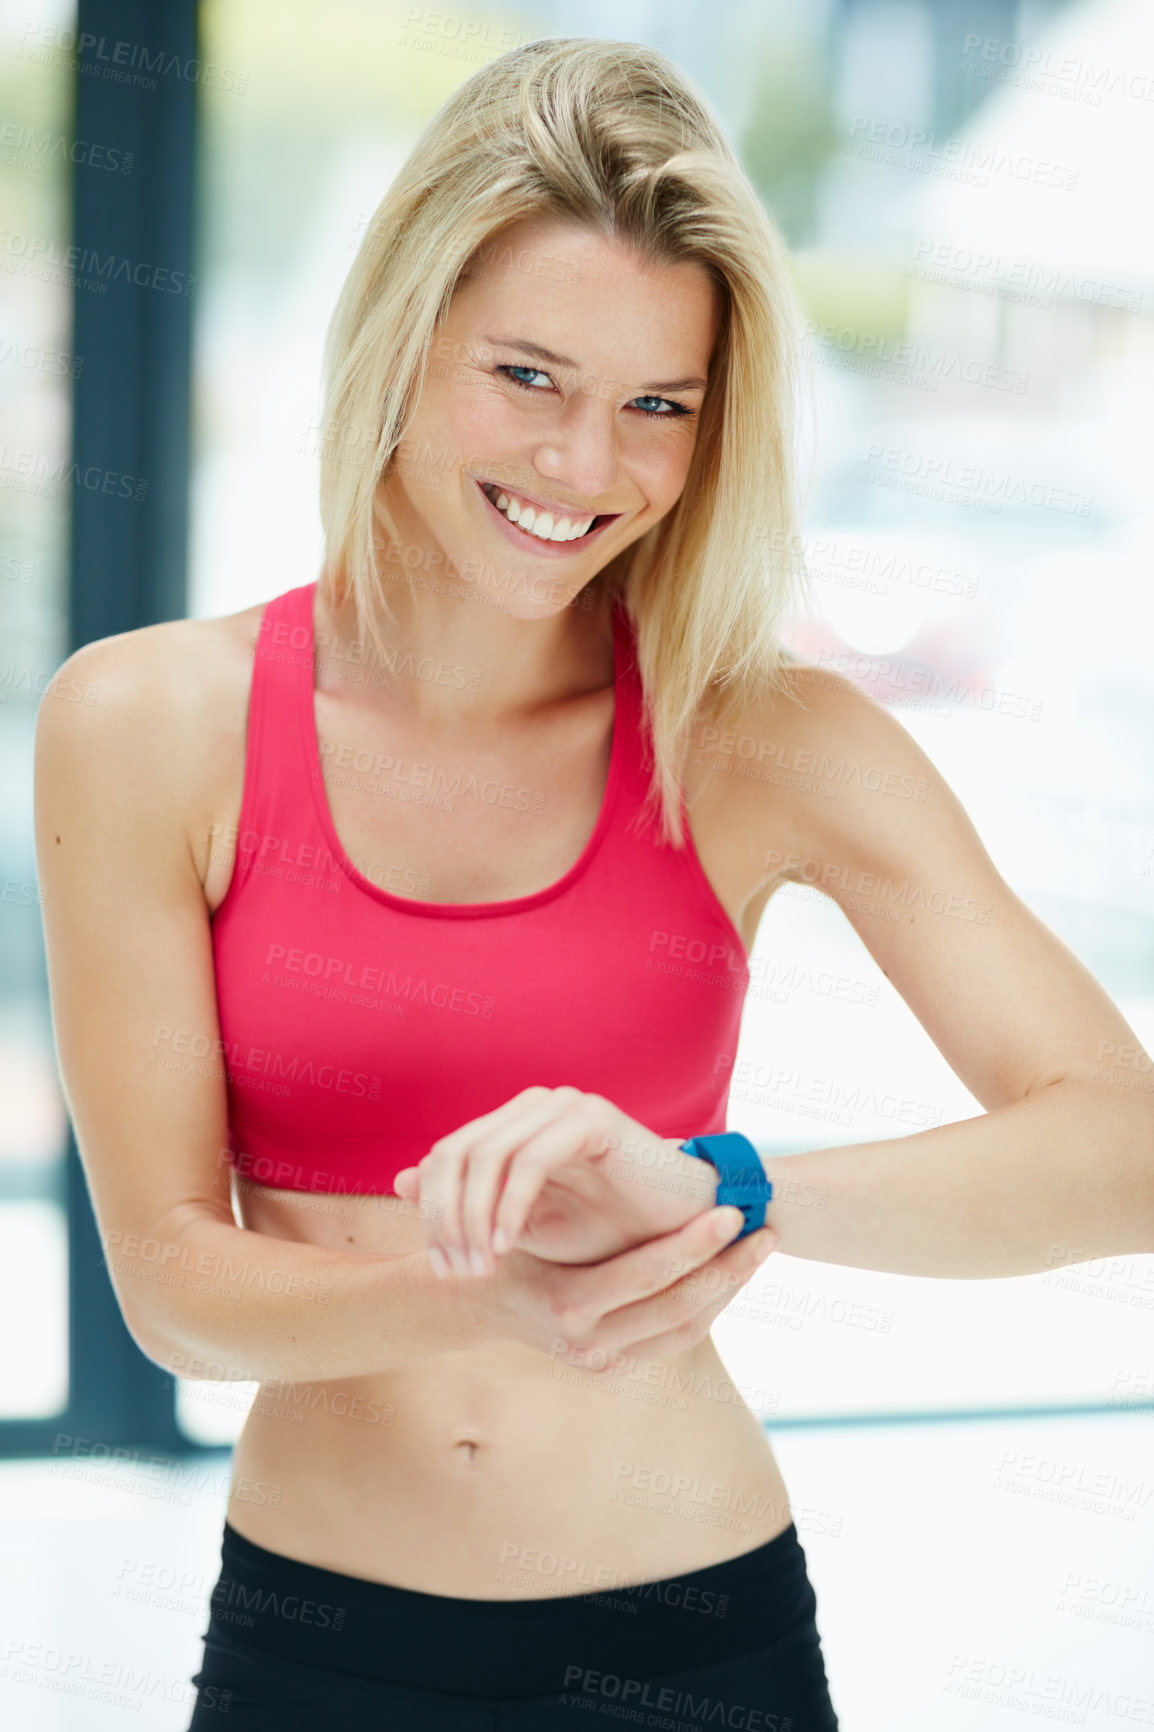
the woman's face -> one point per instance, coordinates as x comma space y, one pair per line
603, 425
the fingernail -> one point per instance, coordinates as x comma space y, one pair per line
726, 1223
500, 1241
457, 1259
437, 1259
769, 1245
477, 1261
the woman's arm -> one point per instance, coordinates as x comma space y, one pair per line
129, 955
1059, 1169
1062, 1176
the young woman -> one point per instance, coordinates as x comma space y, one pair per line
378, 929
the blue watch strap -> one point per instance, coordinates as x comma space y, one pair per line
742, 1179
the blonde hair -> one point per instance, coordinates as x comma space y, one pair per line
611, 137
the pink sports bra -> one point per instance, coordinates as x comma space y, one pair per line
359, 1025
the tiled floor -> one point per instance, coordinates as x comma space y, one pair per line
970, 1577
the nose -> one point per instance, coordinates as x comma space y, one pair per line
581, 452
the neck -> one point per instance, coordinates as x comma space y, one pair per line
453, 658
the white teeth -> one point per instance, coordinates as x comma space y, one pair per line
542, 524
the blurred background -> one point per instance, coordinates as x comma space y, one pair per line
964, 189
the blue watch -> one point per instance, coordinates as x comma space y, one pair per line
743, 1182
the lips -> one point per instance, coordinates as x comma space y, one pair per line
525, 539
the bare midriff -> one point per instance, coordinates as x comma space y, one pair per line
501, 1472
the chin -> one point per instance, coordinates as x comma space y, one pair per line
527, 596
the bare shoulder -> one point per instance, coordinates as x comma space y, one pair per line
821, 780
159, 712
167, 654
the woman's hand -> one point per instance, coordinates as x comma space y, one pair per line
647, 1304
564, 1175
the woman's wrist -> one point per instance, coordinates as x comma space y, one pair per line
667, 1188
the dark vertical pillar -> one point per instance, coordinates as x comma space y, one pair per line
137, 85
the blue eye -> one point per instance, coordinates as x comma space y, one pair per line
675, 410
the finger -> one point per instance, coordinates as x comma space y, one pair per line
672, 1321
444, 1171
579, 1129
654, 1266
499, 1153
407, 1186
486, 1167
440, 1187
612, 1296
435, 1202
706, 1292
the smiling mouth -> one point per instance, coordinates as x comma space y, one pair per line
493, 491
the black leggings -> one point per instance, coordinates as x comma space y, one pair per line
292, 1647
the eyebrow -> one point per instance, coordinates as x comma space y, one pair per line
540, 354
